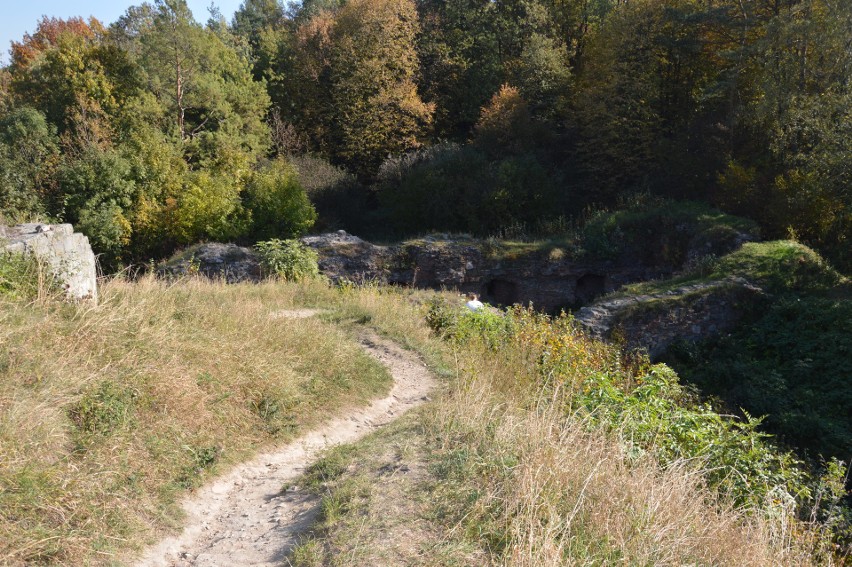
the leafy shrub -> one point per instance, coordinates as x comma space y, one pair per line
207, 207
98, 191
459, 324
279, 206
288, 259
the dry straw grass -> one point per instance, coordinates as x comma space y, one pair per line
109, 413
518, 481
551, 490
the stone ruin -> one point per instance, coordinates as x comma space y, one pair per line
67, 253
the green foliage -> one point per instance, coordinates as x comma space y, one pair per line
460, 189
103, 409
459, 324
661, 231
200, 459
207, 207
356, 68
658, 415
781, 266
789, 365
340, 200
278, 205
98, 191
29, 154
646, 406
20, 276
288, 259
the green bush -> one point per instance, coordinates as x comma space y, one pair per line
287, 259
459, 324
279, 206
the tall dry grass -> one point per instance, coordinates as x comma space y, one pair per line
109, 413
535, 486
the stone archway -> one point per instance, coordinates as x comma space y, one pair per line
589, 287
502, 292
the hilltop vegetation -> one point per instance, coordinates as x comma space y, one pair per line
400, 117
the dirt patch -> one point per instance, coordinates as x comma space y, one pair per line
296, 313
244, 518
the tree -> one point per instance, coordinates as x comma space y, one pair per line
505, 124
255, 16
98, 193
377, 109
200, 82
29, 156
67, 73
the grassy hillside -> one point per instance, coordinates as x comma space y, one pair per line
549, 448
545, 447
109, 414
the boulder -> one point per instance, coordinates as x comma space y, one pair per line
67, 253
215, 260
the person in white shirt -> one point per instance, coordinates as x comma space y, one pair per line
473, 302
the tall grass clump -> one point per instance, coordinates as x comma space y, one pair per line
24, 277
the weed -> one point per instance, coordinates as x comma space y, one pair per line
308, 553
103, 409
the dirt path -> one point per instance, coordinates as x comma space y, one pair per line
244, 518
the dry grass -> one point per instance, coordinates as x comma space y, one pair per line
554, 492
514, 480
108, 414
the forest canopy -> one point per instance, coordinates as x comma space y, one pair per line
400, 116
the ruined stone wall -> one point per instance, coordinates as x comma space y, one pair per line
68, 254
654, 322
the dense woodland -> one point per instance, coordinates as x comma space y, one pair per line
393, 117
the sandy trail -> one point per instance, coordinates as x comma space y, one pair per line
244, 518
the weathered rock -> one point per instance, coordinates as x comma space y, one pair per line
67, 253
551, 279
229, 262
689, 313
551, 282
343, 256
